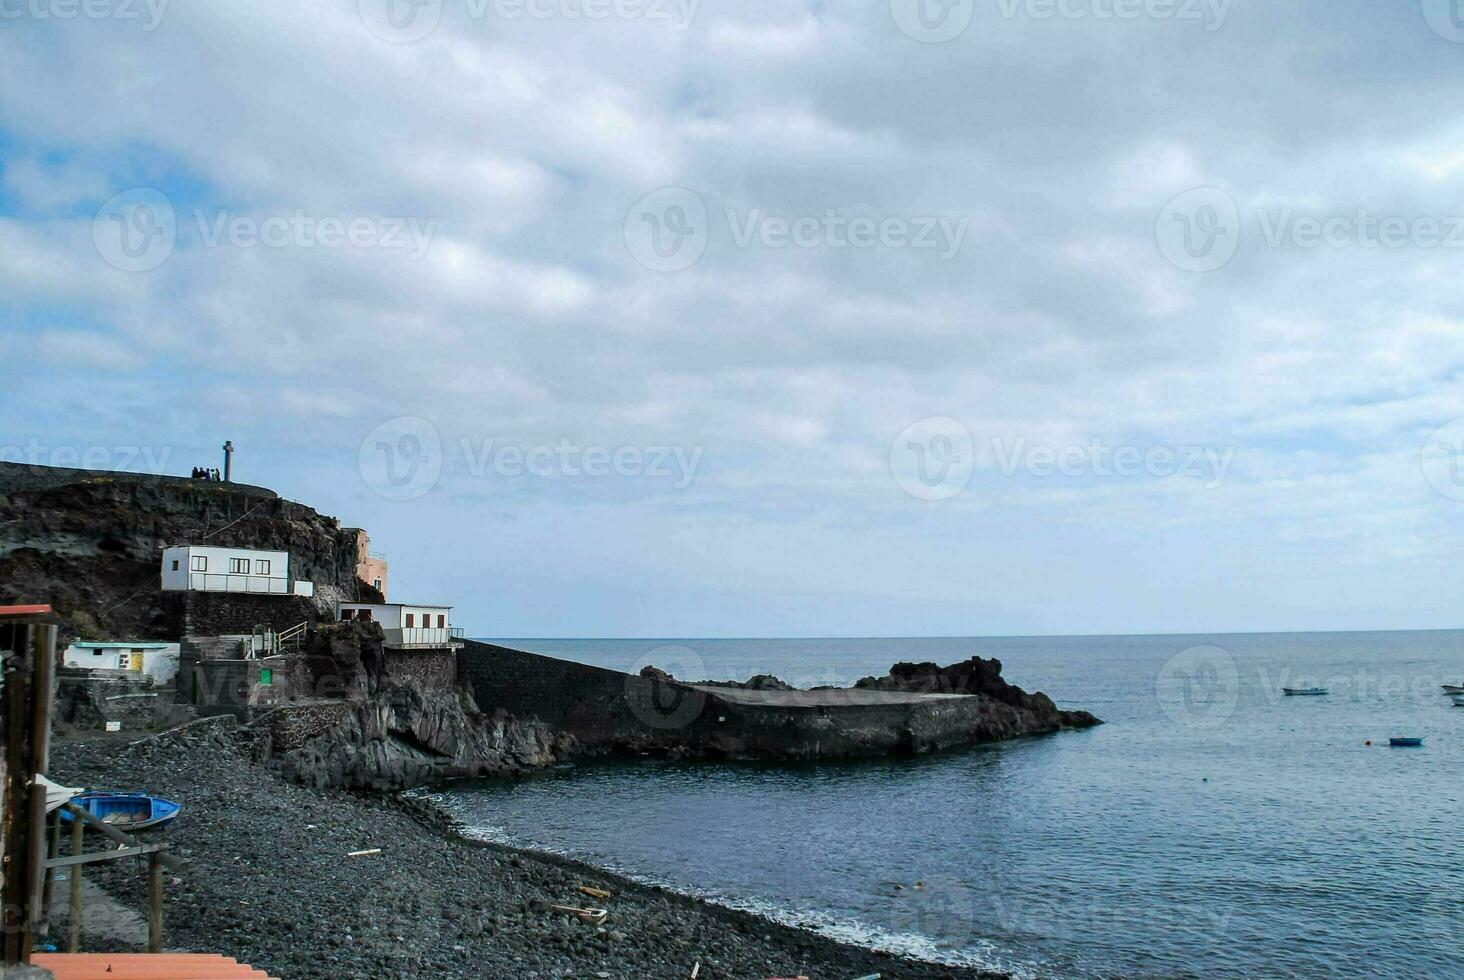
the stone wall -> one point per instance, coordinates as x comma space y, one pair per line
87, 699
433, 671
225, 613
610, 712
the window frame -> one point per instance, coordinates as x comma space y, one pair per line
198, 563
234, 564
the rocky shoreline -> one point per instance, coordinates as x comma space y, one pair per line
270, 882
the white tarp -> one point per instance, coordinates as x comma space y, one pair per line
56, 794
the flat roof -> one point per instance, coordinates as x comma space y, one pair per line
392, 605
826, 698
41, 610
124, 644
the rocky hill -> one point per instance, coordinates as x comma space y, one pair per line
90, 543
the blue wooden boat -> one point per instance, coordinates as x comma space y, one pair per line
1405, 743
127, 811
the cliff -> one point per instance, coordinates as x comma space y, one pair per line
392, 720
89, 543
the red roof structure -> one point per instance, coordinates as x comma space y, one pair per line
145, 966
24, 611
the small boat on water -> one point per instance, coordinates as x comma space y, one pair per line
127, 811
1305, 692
1453, 689
1459, 700
1405, 743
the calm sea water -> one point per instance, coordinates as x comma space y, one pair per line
1212, 828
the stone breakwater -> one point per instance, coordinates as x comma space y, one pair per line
916, 709
269, 883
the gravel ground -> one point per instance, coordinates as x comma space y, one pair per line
270, 884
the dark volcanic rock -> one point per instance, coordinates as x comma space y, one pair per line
979, 676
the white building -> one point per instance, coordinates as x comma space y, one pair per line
158, 661
209, 569
407, 625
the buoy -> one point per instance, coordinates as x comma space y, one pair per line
1368, 742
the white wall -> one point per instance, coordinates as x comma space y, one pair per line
159, 664
216, 577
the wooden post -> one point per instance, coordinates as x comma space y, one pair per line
15, 729
154, 904
78, 830
48, 889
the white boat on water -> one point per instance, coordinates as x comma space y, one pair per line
1453, 689
1458, 700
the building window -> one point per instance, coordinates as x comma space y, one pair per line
198, 563
347, 614
410, 620
124, 660
376, 584
261, 566
441, 621
266, 677
175, 566
238, 566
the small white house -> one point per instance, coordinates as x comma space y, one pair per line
158, 661
209, 569
406, 625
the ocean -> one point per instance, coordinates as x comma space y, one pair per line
1213, 826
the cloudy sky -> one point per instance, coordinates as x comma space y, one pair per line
658, 318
